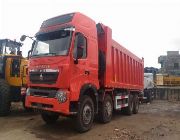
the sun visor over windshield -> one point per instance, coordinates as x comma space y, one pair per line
57, 20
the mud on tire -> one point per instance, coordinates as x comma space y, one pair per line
135, 104
85, 116
129, 109
105, 110
5, 98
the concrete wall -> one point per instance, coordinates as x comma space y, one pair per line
167, 93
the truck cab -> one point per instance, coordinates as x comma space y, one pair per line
64, 58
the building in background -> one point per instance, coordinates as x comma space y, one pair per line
170, 63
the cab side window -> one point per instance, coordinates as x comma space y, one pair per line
80, 48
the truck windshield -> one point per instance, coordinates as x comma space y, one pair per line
53, 43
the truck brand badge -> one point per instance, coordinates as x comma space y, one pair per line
41, 77
42, 66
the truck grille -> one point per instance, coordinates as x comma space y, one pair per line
43, 77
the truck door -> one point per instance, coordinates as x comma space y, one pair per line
80, 69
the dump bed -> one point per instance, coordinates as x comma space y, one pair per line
122, 68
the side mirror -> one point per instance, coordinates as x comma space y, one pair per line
23, 37
33, 44
29, 53
32, 47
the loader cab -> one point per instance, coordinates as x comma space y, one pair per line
10, 59
9, 47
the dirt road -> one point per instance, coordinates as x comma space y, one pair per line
157, 121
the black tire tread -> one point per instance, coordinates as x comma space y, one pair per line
79, 124
136, 103
101, 116
128, 110
5, 98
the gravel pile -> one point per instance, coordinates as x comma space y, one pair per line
123, 134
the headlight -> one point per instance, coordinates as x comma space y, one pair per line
61, 96
28, 92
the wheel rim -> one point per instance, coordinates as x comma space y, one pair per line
108, 109
87, 114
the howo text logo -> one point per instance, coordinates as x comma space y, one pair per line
42, 66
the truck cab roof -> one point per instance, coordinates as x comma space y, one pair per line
10, 43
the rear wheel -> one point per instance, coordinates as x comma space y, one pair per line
49, 117
135, 104
149, 97
105, 110
129, 109
85, 116
5, 98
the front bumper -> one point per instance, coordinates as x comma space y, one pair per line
48, 104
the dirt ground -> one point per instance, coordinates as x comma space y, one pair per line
157, 121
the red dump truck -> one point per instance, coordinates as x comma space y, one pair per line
76, 68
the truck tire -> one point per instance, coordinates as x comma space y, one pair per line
149, 97
85, 116
135, 104
49, 118
129, 109
105, 110
5, 98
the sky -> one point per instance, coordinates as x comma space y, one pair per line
148, 28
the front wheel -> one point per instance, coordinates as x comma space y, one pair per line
49, 117
85, 116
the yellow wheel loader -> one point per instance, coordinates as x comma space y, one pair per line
13, 71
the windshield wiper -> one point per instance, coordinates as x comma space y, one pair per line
52, 53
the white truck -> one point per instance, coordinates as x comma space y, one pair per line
149, 86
